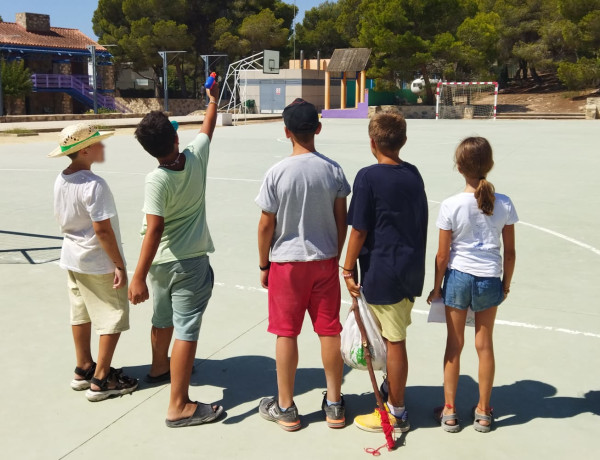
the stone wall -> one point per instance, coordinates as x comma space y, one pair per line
33, 22
409, 111
176, 106
14, 105
592, 108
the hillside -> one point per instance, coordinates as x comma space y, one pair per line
549, 97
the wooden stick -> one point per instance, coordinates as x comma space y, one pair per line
365, 344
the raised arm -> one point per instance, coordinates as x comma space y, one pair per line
340, 213
138, 289
441, 264
266, 230
510, 257
108, 241
210, 118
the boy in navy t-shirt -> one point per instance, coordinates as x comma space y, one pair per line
388, 214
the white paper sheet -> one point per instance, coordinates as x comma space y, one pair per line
437, 313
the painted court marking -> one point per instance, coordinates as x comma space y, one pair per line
569, 239
553, 233
421, 312
501, 322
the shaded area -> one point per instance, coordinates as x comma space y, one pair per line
246, 379
515, 404
28, 248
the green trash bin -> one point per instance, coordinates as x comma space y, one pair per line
250, 105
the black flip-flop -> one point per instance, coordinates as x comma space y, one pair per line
162, 378
204, 413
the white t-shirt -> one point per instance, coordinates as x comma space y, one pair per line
80, 199
476, 238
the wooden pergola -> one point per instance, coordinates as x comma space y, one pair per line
348, 61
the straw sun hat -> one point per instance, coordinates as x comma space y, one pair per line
77, 137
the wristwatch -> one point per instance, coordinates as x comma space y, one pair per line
265, 268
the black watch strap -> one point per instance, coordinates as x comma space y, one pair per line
265, 268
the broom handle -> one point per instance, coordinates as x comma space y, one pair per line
365, 344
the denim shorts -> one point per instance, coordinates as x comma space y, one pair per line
462, 291
180, 293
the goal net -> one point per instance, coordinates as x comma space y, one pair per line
466, 100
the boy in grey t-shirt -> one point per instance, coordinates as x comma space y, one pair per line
300, 238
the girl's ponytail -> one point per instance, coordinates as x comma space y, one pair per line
475, 160
485, 196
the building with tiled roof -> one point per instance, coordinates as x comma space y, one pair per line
59, 60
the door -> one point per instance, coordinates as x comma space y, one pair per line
272, 96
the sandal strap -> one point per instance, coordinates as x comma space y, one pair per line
443, 418
204, 409
121, 380
102, 384
477, 416
87, 374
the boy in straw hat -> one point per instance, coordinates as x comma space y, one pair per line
91, 252
175, 255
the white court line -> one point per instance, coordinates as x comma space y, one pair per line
574, 241
501, 322
553, 233
564, 237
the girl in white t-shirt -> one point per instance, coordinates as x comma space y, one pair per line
474, 226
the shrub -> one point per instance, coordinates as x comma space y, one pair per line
582, 74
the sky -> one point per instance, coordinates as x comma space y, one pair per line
77, 14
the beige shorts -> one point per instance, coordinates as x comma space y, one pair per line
393, 319
94, 300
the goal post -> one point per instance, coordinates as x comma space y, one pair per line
466, 100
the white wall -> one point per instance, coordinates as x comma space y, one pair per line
307, 84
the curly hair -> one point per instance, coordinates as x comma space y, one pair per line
156, 134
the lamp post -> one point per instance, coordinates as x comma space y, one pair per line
92, 50
163, 55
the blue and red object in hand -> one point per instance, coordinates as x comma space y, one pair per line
210, 82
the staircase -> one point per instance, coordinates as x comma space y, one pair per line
76, 86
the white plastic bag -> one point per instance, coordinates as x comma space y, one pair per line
437, 313
352, 348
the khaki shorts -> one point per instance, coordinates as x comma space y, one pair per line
394, 319
94, 300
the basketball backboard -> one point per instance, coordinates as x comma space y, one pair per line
271, 61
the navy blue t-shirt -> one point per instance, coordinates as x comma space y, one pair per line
389, 202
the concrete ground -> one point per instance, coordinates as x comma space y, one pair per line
547, 394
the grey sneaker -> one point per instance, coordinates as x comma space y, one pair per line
335, 415
402, 424
288, 420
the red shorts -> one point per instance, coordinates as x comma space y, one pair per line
295, 287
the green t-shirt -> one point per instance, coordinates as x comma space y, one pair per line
179, 197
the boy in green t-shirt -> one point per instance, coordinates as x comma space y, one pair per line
175, 255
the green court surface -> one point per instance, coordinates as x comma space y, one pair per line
547, 394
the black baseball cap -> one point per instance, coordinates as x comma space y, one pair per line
301, 117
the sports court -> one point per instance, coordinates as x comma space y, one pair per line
547, 392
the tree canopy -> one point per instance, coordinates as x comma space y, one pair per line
451, 39
463, 39
16, 81
141, 28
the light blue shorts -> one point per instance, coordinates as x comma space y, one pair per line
462, 291
180, 292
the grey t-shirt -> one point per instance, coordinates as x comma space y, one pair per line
301, 191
